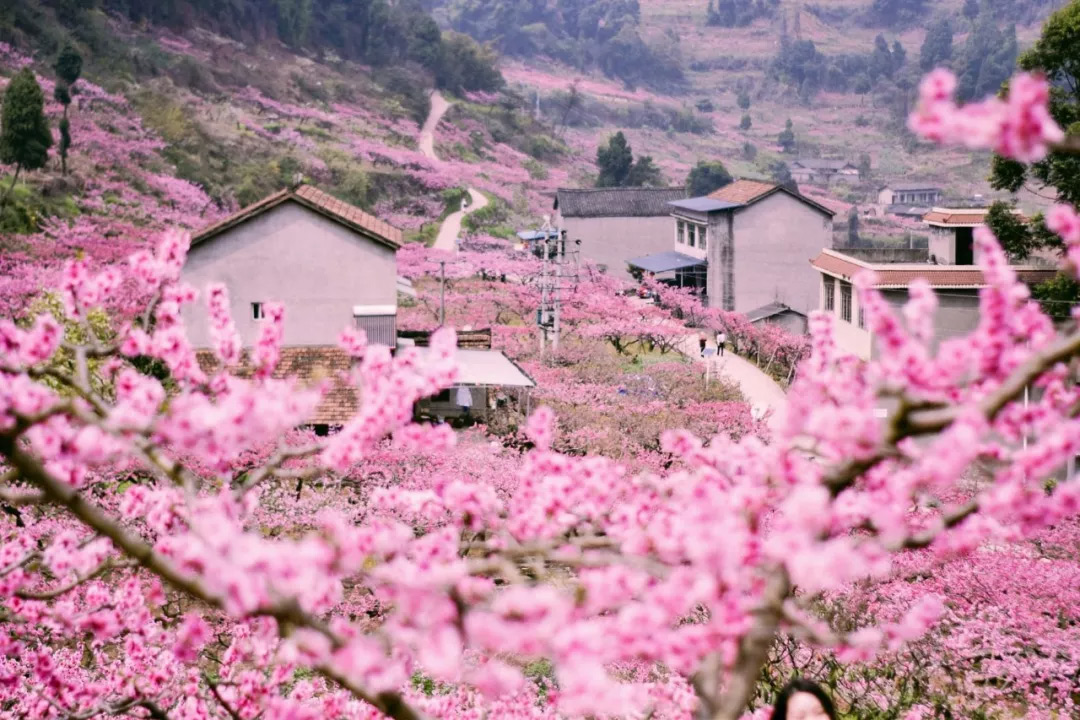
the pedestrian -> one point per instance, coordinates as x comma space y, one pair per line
803, 699
721, 338
463, 398
702, 343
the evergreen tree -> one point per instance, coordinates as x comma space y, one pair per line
781, 175
25, 138
706, 177
745, 122
899, 56
971, 9
988, 59
853, 226
864, 167
615, 161
786, 138
68, 68
645, 173
744, 100
937, 48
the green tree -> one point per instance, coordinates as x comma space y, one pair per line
744, 100
864, 167
988, 59
786, 138
707, 177
853, 226
645, 173
745, 122
467, 65
971, 9
68, 68
614, 159
1057, 55
937, 47
24, 132
781, 175
897, 12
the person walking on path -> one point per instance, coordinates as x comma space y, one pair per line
721, 338
702, 342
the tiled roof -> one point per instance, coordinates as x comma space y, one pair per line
466, 339
748, 192
956, 218
743, 192
910, 187
822, 164
314, 199
768, 311
310, 364
899, 275
617, 202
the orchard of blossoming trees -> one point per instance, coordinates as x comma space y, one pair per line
175, 550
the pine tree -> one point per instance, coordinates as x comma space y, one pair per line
25, 138
706, 177
68, 68
937, 48
853, 226
614, 160
744, 100
745, 122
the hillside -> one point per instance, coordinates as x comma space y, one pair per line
679, 122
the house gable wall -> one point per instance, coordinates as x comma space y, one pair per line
611, 241
774, 240
317, 267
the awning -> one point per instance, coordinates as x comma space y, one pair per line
485, 368
534, 235
665, 262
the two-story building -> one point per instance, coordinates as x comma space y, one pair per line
748, 244
956, 286
616, 224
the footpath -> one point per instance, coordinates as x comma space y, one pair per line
761, 391
450, 230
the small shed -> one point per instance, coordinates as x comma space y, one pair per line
482, 376
777, 313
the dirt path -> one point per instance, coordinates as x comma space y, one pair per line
451, 227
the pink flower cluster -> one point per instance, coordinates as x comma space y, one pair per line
1019, 127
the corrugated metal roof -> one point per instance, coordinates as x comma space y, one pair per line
484, 368
617, 202
704, 204
665, 261
900, 275
768, 311
318, 201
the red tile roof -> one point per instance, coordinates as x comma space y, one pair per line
309, 364
748, 192
900, 275
958, 218
743, 191
314, 199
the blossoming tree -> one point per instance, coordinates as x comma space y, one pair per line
176, 550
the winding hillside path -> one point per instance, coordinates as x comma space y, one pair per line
451, 227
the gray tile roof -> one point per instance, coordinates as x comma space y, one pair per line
821, 164
909, 187
617, 202
704, 204
768, 311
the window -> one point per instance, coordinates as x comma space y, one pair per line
862, 320
257, 311
830, 294
442, 397
702, 233
680, 232
690, 235
845, 301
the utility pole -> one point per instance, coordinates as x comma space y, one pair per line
542, 314
442, 293
560, 255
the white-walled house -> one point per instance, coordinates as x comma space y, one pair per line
911, 194
957, 288
616, 224
330, 263
749, 243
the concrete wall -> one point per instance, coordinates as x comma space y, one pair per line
774, 241
614, 240
789, 321
957, 314
943, 245
887, 255
720, 281
318, 268
849, 337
